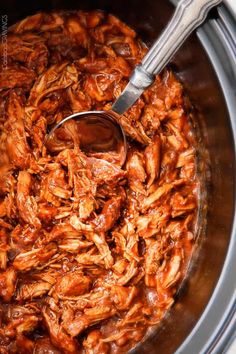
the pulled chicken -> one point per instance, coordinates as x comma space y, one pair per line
91, 254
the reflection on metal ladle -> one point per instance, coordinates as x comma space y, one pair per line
94, 134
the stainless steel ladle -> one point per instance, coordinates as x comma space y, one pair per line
102, 131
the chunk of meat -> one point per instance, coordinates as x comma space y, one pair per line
7, 181
159, 192
21, 320
185, 157
62, 231
25, 235
9, 205
34, 290
90, 259
94, 345
98, 313
152, 157
86, 206
173, 272
28, 24
73, 245
7, 284
26, 204
181, 204
23, 344
58, 336
110, 213
3, 210
80, 178
100, 242
16, 76
3, 256
79, 100
57, 77
79, 173
80, 226
151, 224
152, 262
76, 30
72, 284
16, 143
136, 172
28, 49
74, 322
134, 131
25, 261
3, 249
90, 316
40, 285
54, 186
46, 212
130, 272
100, 86
44, 346
134, 315
105, 171
123, 28
123, 296
38, 132
153, 114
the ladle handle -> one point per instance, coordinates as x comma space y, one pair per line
189, 14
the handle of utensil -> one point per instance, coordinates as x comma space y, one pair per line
189, 14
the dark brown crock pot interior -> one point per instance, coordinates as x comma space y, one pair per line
195, 70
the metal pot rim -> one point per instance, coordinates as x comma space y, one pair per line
215, 329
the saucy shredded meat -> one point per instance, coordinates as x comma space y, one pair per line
91, 254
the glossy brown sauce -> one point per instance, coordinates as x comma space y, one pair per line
91, 254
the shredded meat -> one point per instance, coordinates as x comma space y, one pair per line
91, 254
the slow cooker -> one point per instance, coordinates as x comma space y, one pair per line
203, 319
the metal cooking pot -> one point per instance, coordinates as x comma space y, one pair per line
204, 316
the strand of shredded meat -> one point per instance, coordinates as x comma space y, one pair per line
91, 254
